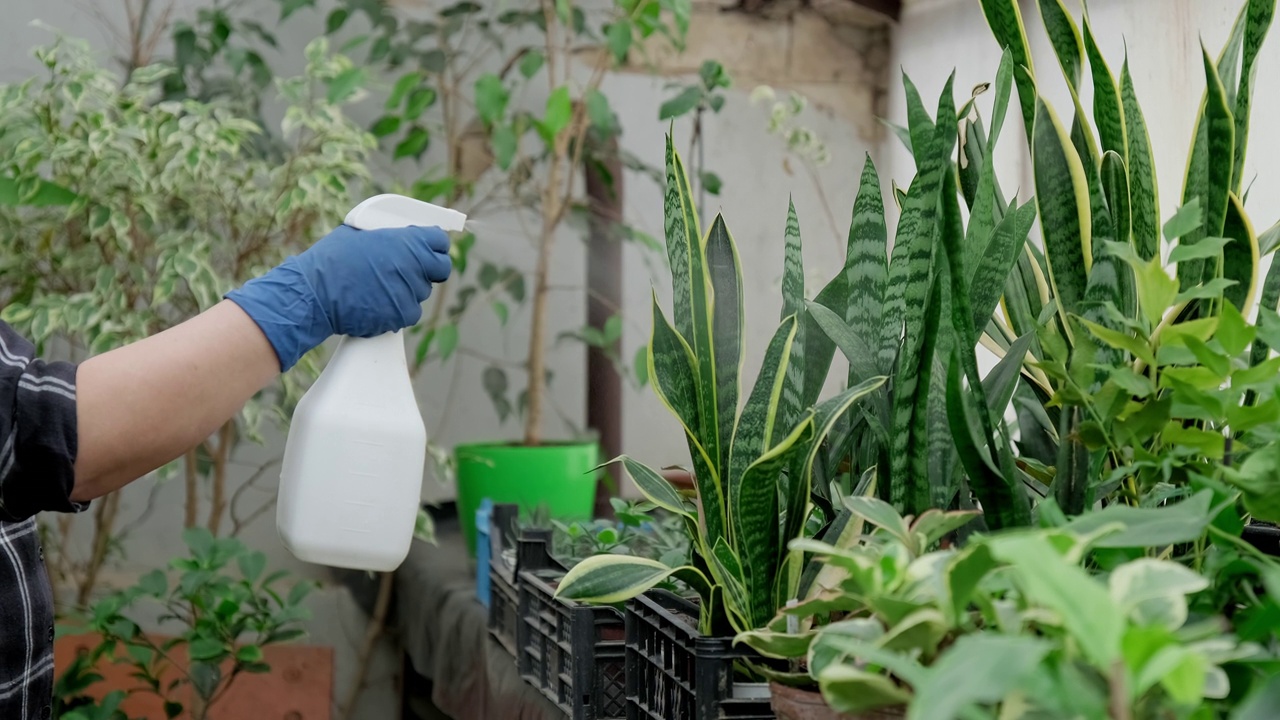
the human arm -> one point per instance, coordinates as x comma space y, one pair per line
137, 407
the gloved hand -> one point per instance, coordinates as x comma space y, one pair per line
352, 282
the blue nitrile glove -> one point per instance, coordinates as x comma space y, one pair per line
352, 282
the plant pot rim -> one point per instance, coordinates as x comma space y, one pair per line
514, 446
802, 698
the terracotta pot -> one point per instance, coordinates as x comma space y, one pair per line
790, 703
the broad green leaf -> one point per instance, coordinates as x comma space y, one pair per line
1234, 332
1188, 219
978, 669
1209, 167
1062, 197
1209, 248
619, 36
866, 267
1048, 579
777, 644
1154, 591
687, 100
1122, 341
559, 111
725, 272
654, 486
614, 578
1140, 163
879, 513
491, 98
1180, 522
1240, 257
849, 689
967, 570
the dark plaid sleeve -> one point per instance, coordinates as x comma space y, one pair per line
37, 431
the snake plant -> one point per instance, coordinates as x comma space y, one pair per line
751, 461
1097, 198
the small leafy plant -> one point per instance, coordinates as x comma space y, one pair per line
223, 619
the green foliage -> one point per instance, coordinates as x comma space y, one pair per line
752, 462
161, 205
1016, 624
641, 529
221, 608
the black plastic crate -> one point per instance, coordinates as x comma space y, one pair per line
507, 557
574, 654
673, 671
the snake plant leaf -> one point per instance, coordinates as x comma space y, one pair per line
727, 570
861, 362
725, 272
1005, 20
1064, 36
1003, 251
756, 525
1240, 257
1269, 239
901, 271
973, 152
917, 490
1108, 111
1062, 197
983, 214
966, 431
1115, 185
1000, 383
866, 266
691, 297
825, 416
793, 305
757, 423
1260, 14
819, 349
671, 370
1004, 504
1268, 303
611, 578
1209, 168
654, 487
1144, 195
917, 227
1071, 480
1229, 58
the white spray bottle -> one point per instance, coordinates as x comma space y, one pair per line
351, 478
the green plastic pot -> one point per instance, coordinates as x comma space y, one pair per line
557, 479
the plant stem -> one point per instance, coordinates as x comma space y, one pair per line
193, 489
221, 454
104, 522
371, 634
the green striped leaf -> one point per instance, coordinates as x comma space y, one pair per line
1209, 168
793, 305
757, 423
1062, 198
691, 303
1082, 139
729, 575
671, 373
1004, 503
917, 227
1269, 302
1144, 195
865, 265
973, 152
606, 579
1071, 478
1064, 36
1260, 14
861, 362
929, 164
1002, 253
725, 272
819, 350
1005, 20
654, 487
1240, 257
1108, 111
917, 493
1115, 185
984, 215
756, 516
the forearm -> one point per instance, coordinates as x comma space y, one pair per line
145, 404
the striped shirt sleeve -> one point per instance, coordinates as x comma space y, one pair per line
37, 431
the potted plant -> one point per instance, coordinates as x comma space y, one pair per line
224, 621
741, 569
